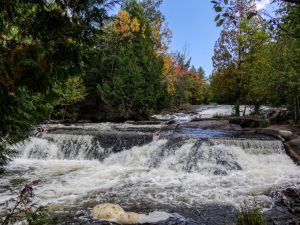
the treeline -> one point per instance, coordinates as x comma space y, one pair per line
257, 57
132, 74
67, 59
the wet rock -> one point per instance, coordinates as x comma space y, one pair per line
197, 119
285, 134
247, 122
278, 134
295, 143
286, 210
146, 122
211, 124
170, 122
293, 149
115, 213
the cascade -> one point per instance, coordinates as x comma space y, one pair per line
84, 166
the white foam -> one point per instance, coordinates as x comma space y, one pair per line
154, 174
154, 217
101, 126
219, 110
180, 117
209, 112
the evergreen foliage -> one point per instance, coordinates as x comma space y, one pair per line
131, 71
42, 43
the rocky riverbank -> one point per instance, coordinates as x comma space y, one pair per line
215, 157
271, 123
286, 210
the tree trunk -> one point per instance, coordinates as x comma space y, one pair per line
296, 107
245, 108
256, 108
237, 107
65, 112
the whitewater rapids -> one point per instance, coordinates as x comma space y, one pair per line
82, 170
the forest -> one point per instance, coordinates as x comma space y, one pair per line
62, 59
94, 61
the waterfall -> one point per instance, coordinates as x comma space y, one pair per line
258, 146
89, 166
79, 147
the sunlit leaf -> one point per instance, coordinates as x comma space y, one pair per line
218, 9
217, 17
220, 22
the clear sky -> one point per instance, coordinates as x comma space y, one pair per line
192, 24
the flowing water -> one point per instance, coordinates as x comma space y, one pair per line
194, 180
210, 111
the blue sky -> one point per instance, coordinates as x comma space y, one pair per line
192, 24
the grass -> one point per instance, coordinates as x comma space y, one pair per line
251, 216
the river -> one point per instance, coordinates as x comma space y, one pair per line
185, 177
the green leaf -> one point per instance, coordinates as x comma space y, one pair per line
226, 2
220, 22
218, 9
226, 14
217, 17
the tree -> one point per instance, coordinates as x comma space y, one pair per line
42, 43
235, 47
224, 86
269, 70
160, 32
284, 69
184, 85
201, 73
193, 69
222, 7
131, 71
67, 93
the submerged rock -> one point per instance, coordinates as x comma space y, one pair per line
286, 210
114, 213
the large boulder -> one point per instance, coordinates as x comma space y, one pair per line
278, 133
293, 149
286, 134
114, 213
286, 209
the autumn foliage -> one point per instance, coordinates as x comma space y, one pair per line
183, 84
126, 25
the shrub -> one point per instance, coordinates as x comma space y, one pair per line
24, 210
251, 216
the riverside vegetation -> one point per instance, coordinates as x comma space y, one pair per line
64, 59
